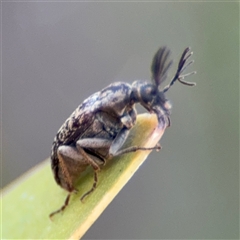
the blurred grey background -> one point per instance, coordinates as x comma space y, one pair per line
55, 54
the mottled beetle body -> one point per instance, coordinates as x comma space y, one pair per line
98, 128
95, 118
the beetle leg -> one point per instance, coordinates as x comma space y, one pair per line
73, 161
129, 119
94, 143
91, 160
136, 148
63, 206
71, 164
93, 186
95, 167
119, 141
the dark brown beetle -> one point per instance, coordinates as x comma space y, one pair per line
98, 128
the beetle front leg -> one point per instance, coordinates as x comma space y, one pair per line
136, 148
119, 141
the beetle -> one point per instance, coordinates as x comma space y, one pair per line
98, 128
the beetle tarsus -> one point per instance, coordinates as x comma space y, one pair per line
66, 202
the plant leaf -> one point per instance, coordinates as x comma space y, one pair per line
28, 201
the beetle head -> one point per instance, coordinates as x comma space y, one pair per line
148, 94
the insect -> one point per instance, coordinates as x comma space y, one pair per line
99, 126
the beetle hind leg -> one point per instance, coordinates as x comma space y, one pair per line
93, 186
72, 162
61, 209
95, 167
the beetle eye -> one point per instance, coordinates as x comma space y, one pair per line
152, 90
148, 92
